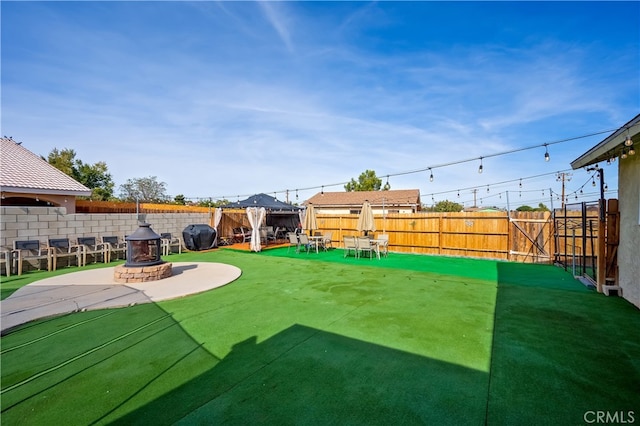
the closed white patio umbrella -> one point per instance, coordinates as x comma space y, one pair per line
366, 222
310, 222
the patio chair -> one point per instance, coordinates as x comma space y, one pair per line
30, 250
5, 257
271, 234
350, 246
326, 240
60, 248
90, 247
307, 243
168, 243
293, 241
383, 244
114, 246
364, 245
242, 234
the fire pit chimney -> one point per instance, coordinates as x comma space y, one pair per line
143, 247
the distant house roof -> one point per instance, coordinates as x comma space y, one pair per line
23, 171
612, 146
400, 197
263, 200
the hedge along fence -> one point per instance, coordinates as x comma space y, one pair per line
517, 236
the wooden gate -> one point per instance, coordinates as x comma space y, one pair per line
531, 237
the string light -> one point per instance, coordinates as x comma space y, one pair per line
628, 141
431, 175
546, 153
625, 154
480, 168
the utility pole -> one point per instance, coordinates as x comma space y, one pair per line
475, 193
563, 177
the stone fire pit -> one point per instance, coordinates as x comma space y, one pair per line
127, 274
143, 258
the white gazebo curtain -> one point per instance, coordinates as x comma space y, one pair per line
217, 217
256, 216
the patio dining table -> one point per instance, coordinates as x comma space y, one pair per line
376, 246
317, 239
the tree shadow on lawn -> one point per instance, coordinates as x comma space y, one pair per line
560, 349
143, 368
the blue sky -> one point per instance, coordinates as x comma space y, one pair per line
228, 99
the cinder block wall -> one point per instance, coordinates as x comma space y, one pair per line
42, 223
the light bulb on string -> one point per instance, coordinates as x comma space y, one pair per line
296, 194
628, 141
520, 184
487, 188
458, 193
593, 182
632, 151
546, 153
480, 168
431, 175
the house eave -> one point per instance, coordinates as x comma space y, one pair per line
610, 147
44, 191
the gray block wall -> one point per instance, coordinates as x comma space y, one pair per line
43, 223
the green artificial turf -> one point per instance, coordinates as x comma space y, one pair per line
320, 339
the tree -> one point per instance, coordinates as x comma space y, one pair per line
367, 181
179, 199
145, 190
96, 177
541, 208
447, 206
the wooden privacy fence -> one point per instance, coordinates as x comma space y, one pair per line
516, 236
519, 236
87, 206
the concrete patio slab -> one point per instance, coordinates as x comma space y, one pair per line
96, 289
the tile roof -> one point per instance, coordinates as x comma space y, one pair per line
404, 197
23, 171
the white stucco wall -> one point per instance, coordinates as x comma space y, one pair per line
629, 248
